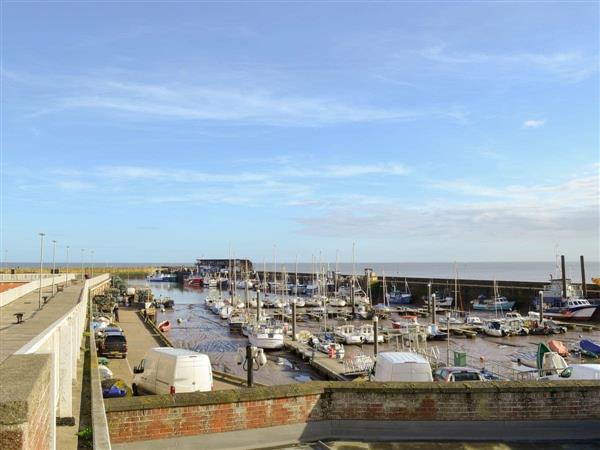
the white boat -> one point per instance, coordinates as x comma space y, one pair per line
348, 334
225, 311
473, 320
244, 283
162, 277
361, 312
331, 349
496, 328
367, 333
300, 303
314, 301
571, 309
337, 302
267, 335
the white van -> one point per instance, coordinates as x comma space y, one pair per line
576, 372
166, 370
402, 366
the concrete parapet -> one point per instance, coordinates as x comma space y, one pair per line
25, 402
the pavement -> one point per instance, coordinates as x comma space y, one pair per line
13, 336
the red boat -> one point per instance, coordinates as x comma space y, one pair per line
195, 281
164, 326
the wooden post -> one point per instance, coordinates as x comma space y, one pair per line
375, 335
583, 285
249, 364
294, 319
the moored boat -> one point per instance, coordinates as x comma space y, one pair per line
164, 326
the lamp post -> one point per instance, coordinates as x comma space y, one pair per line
82, 252
67, 270
53, 263
41, 267
448, 339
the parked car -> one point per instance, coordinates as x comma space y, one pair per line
113, 344
449, 374
166, 370
401, 366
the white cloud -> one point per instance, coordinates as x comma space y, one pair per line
534, 123
236, 104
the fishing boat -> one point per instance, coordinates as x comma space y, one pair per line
498, 303
400, 298
348, 334
268, 335
442, 301
164, 326
195, 281
590, 347
162, 277
571, 309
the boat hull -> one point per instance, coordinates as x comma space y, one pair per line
266, 342
582, 313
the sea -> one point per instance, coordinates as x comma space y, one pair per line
538, 271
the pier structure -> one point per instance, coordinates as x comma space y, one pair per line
40, 349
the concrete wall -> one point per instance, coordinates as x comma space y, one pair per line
18, 292
197, 414
25, 389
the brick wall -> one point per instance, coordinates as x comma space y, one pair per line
25, 415
157, 417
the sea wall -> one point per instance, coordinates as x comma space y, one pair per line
206, 414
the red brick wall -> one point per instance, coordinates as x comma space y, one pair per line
193, 420
344, 401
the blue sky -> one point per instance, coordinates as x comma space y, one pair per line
421, 131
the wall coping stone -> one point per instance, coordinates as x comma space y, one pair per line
331, 387
18, 375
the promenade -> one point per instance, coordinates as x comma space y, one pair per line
13, 336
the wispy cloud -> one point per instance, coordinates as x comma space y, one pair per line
573, 66
534, 123
252, 104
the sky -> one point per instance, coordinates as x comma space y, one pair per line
167, 131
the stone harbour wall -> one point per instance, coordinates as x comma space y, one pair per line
165, 416
25, 405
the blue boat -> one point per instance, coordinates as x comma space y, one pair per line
590, 347
493, 304
400, 298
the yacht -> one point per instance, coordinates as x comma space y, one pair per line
367, 334
268, 335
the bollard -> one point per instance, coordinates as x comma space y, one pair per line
375, 335
249, 364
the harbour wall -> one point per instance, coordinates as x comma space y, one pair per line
315, 410
25, 402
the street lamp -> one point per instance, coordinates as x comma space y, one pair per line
82, 251
53, 264
41, 267
67, 269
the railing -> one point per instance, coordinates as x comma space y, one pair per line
19, 291
63, 339
16, 277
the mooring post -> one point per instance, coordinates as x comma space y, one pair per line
293, 319
257, 306
375, 335
541, 307
583, 285
249, 364
428, 299
433, 309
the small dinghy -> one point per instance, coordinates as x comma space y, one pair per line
590, 347
558, 347
164, 326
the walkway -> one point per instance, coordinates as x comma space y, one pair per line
13, 336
